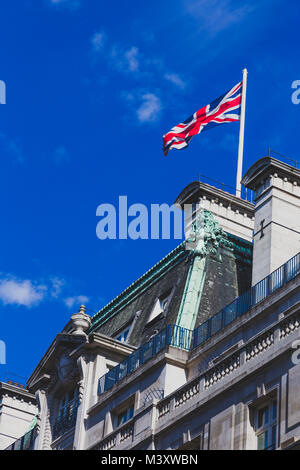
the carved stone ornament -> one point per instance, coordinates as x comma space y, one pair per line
207, 235
66, 369
81, 321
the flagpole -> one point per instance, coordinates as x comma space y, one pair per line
241, 137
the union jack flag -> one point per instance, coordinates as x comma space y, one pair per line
217, 112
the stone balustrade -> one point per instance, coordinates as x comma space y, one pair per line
290, 325
188, 392
262, 343
184, 397
223, 369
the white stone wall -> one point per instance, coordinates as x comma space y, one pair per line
278, 205
16, 415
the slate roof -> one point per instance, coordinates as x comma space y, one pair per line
227, 276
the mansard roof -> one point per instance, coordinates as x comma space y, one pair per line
139, 286
225, 279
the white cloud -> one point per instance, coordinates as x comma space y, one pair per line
150, 108
98, 40
123, 60
76, 300
175, 79
147, 105
218, 15
21, 292
56, 287
131, 57
28, 293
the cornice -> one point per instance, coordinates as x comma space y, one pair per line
16, 391
61, 339
98, 340
193, 191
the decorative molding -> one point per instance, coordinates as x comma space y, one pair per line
81, 322
207, 235
82, 368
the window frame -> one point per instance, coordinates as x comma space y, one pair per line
267, 427
161, 303
128, 408
122, 333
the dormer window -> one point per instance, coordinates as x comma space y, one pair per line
160, 306
123, 335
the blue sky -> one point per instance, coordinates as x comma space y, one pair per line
91, 88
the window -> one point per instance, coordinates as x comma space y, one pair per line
67, 412
123, 335
124, 415
266, 426
160, 306
68, 403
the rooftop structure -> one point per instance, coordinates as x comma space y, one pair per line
17, 412
199, 352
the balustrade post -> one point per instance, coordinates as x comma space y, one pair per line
277, 333
202, 383
242, 356
118, 438
154, 417
172, 404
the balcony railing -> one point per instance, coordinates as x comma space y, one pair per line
247, 358
182, 338
25, 442
66, 420
171, 335
248, 300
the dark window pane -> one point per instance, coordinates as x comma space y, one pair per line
274, 410
262, 441
274, 429
130, 412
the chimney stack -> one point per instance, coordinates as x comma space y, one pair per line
277, 214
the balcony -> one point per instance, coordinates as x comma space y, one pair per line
66, 420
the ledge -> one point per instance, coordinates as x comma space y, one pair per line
110, 344
164, 357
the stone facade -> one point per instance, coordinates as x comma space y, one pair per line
17, 412
193, 355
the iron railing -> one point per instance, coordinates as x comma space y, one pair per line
66, 420
174, 335
25, 442
171, 335
248, 300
